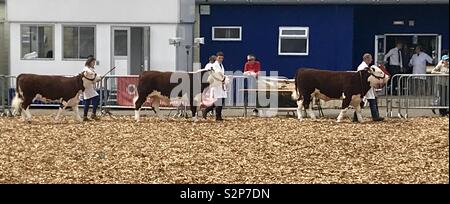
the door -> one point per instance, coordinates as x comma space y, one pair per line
121, 50
380, 48
139, 50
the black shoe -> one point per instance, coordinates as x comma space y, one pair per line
378, 119
204, 114
86, 119
219, 119
94, 117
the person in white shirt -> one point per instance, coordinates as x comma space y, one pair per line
90, 96
442, 91
419, 61
419, 64
395, 66
210, 65
370, 96
217, 80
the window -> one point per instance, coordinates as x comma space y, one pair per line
233, 33
78, 42
36, 41
293, 41
121, 43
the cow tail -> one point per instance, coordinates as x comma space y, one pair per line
18, 98
295, 95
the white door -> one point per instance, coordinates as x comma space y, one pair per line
380, 49
121, 50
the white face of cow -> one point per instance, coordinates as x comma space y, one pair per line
86, 79
378, 79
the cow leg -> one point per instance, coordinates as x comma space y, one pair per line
59, 113
194, 103
356, 103
311, 113
358, 114
194, 113
76, 113
344, 110
308, 107
26, 115
342, 114
156, 104
139, 101
300, 109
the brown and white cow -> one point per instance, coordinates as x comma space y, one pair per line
46, 88
335, 85
158, 85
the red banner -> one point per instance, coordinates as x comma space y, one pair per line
126, 90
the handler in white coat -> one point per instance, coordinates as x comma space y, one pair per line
370, 96
217, 83
90, 96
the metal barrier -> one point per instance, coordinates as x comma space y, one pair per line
2, 94
418, 91
8, 90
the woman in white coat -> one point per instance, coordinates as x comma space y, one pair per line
370, 96
90, 96
217, 85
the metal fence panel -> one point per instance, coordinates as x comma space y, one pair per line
417, 91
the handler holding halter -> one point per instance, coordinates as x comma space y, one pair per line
90, 95
217, 81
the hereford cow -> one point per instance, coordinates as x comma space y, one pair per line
158, 85
332, 85
64, 90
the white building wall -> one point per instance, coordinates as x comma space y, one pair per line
163, 17
162, 55
105, 11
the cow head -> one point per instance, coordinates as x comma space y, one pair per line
377, 78
88, 79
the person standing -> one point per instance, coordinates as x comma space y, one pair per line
395, 63
251, 68
90, 96
419, 64
442, 92
217, 80
419, 61
371, 95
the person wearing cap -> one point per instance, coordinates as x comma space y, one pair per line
252, 68
370, 96
442, 68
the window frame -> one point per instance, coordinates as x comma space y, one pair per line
227, 39
53, 42
78, 53
281, 36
